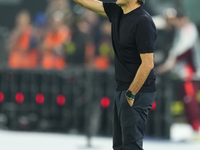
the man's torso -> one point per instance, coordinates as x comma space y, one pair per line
127, 56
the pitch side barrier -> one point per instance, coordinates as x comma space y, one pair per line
74, 100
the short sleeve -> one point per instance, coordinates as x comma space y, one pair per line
111, 9
145, 36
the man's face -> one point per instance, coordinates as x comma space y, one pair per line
23, 20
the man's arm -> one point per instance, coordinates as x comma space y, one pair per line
142, 73
93, 5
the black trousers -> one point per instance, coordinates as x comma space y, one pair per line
129, 122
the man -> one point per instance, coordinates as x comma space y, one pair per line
133, 37
23, 53
183, 59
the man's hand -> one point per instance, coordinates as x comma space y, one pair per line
167, 66
161, 69
93, 5
131, 102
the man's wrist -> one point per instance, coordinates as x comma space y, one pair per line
129, 95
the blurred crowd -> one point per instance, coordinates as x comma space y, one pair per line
180, 52
60, 36
67, 34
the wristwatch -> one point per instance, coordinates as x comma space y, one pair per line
129, 95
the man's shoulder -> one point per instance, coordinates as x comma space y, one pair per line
111, 6
140, 15
145, 16
112, 9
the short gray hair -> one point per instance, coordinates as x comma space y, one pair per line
141, 2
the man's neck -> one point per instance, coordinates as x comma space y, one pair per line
130, 7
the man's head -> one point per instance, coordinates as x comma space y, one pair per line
181, 19
23, 19
175, 17
125, 2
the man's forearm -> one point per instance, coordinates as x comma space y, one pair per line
81, 2
140, 78
93, 5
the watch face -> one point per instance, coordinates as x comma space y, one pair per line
128, 93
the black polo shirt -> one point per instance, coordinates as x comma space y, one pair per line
132, 34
